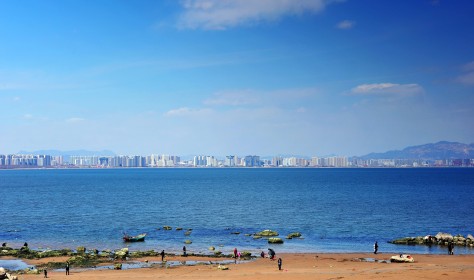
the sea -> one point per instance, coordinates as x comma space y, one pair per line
335, 210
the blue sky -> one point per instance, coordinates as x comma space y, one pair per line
267, 77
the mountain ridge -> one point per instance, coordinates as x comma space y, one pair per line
431, 151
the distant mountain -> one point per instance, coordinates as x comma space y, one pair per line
70, 153
432, 151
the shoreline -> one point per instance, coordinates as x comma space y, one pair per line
295, 266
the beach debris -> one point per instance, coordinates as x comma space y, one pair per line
5, 275
266, 233
275, 240
293, 235
402, 258
222, 267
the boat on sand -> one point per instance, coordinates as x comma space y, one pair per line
402, 259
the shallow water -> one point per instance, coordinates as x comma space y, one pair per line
336, 210
14, 265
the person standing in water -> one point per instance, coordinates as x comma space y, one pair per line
376, 247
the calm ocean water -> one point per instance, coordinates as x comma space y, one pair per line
336, 210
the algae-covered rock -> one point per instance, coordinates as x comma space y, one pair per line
187, 241
121, 254
167, 228
212, 248
179, 228
81, 250
407, 240
83, 261
187, 233
246, 254
105, 254
275, 240
118, 266
266, 233
293, 235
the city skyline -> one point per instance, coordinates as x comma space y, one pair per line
306, 77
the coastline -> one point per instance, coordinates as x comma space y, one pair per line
295, 266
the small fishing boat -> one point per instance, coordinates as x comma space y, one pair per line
138, 238
402, 259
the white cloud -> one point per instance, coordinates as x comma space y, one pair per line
75, 120
185, 111
346, 24
28, 116
258, 97
233, 98
384, 89
469, 66
468, 77
223, 14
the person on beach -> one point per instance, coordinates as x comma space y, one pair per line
67, 268
450, 248
271, 254
262, 254
4, 244
235, 253
45, 273
184, 251
279, 263
162, 255
376, 247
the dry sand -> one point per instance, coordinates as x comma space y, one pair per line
295, 266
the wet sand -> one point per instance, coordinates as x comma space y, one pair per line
295, 266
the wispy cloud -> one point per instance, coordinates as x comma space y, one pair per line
259, 97
386, 89
346, 24
223, 14
185, 111
28, 116
467, 77
75, 120
233, 98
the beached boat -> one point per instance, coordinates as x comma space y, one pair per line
402, 259
138, 238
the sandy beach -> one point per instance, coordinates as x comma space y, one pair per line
295, 266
